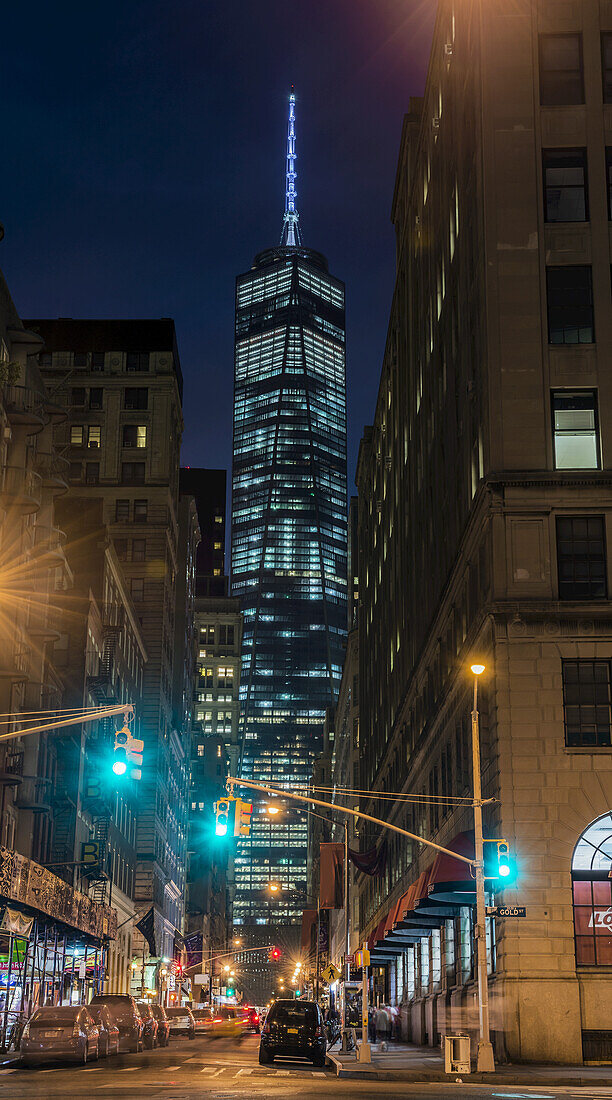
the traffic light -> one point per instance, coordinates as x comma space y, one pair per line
362, 958
229, 992
498, 863
274, 954
90, 853
222, 812
242, 817
120, 761
128, 753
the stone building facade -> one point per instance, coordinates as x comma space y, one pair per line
120, 383
484, 507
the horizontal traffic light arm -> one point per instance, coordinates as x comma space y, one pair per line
86, 716
231, 782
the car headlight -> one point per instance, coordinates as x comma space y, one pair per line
25, 1034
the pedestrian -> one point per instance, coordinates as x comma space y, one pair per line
372, 1024
382, 1023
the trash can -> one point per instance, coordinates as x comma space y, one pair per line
457, 1054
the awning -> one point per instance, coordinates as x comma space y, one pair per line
432, 898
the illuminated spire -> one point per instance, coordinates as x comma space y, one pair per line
291, 230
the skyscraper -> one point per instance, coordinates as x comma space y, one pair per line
289, 535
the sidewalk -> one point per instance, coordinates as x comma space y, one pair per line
404, 1062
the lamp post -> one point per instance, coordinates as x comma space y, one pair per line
485, 1062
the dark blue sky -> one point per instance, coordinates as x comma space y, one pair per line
143, 160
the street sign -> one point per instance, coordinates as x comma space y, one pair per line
506, 911
330, 974
349, 960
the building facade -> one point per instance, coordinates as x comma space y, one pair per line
484, 499
121, 386
288, 540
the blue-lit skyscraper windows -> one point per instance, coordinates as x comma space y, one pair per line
289, 543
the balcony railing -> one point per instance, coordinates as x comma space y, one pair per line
53, 470
49, 543
34, 794
11, 769
21, 489
25, 407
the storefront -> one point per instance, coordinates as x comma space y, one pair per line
53, 942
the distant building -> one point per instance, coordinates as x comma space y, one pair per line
121, 386
209, 489
288, 555
484, 520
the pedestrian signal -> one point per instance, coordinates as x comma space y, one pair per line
362, 958
242, 817
222, 811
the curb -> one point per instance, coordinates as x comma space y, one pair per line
438, 1076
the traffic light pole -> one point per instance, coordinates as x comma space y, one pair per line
486, 1062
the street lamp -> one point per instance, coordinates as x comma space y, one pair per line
274, 887
486, 1062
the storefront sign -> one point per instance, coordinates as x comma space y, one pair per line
24, 881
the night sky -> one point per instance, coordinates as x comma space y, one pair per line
143, 161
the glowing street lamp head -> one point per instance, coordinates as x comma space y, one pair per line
477, 669
273, 810
273, 887
120, 767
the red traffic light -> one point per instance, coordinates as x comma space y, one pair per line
274, 954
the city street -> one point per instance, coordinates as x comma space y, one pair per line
223, 1071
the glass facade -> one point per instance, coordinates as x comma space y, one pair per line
289, 549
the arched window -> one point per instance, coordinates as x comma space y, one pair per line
592, 889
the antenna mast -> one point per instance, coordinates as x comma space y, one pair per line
291, 230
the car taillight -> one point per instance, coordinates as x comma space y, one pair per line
256, 1018
318, 1032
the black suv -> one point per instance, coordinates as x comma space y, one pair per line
293, 1028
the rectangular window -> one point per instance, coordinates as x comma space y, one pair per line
225, 677
80, 359
586, 703
136, 397
95, 397
592, 906
565, 185
97, 361
139, 549
218, 519
133, 473
207, 635
217, 546
121, 549
137, 360
141, 508
76, 471
137, 588
94, 435
134, 435
606, 66
122, 511
570, 305
78, 395
581, 557
226, 635
92, 473
575, 429
76, 435
561, 75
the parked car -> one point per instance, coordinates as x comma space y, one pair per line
123, 1011
108, 1042
59, 1034
163, 1025
203, 1019
181, 1022
252, 1020
293, 1028
149, 1025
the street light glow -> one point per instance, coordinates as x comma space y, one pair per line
273, 809
273, 887
477, 669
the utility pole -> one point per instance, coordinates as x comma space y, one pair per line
485, 1062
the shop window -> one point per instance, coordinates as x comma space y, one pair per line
592, 894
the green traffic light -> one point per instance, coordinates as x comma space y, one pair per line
120, 767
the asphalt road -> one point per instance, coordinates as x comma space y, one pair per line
221, 1070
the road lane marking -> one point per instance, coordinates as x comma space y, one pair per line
170, 1068
244, 1071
